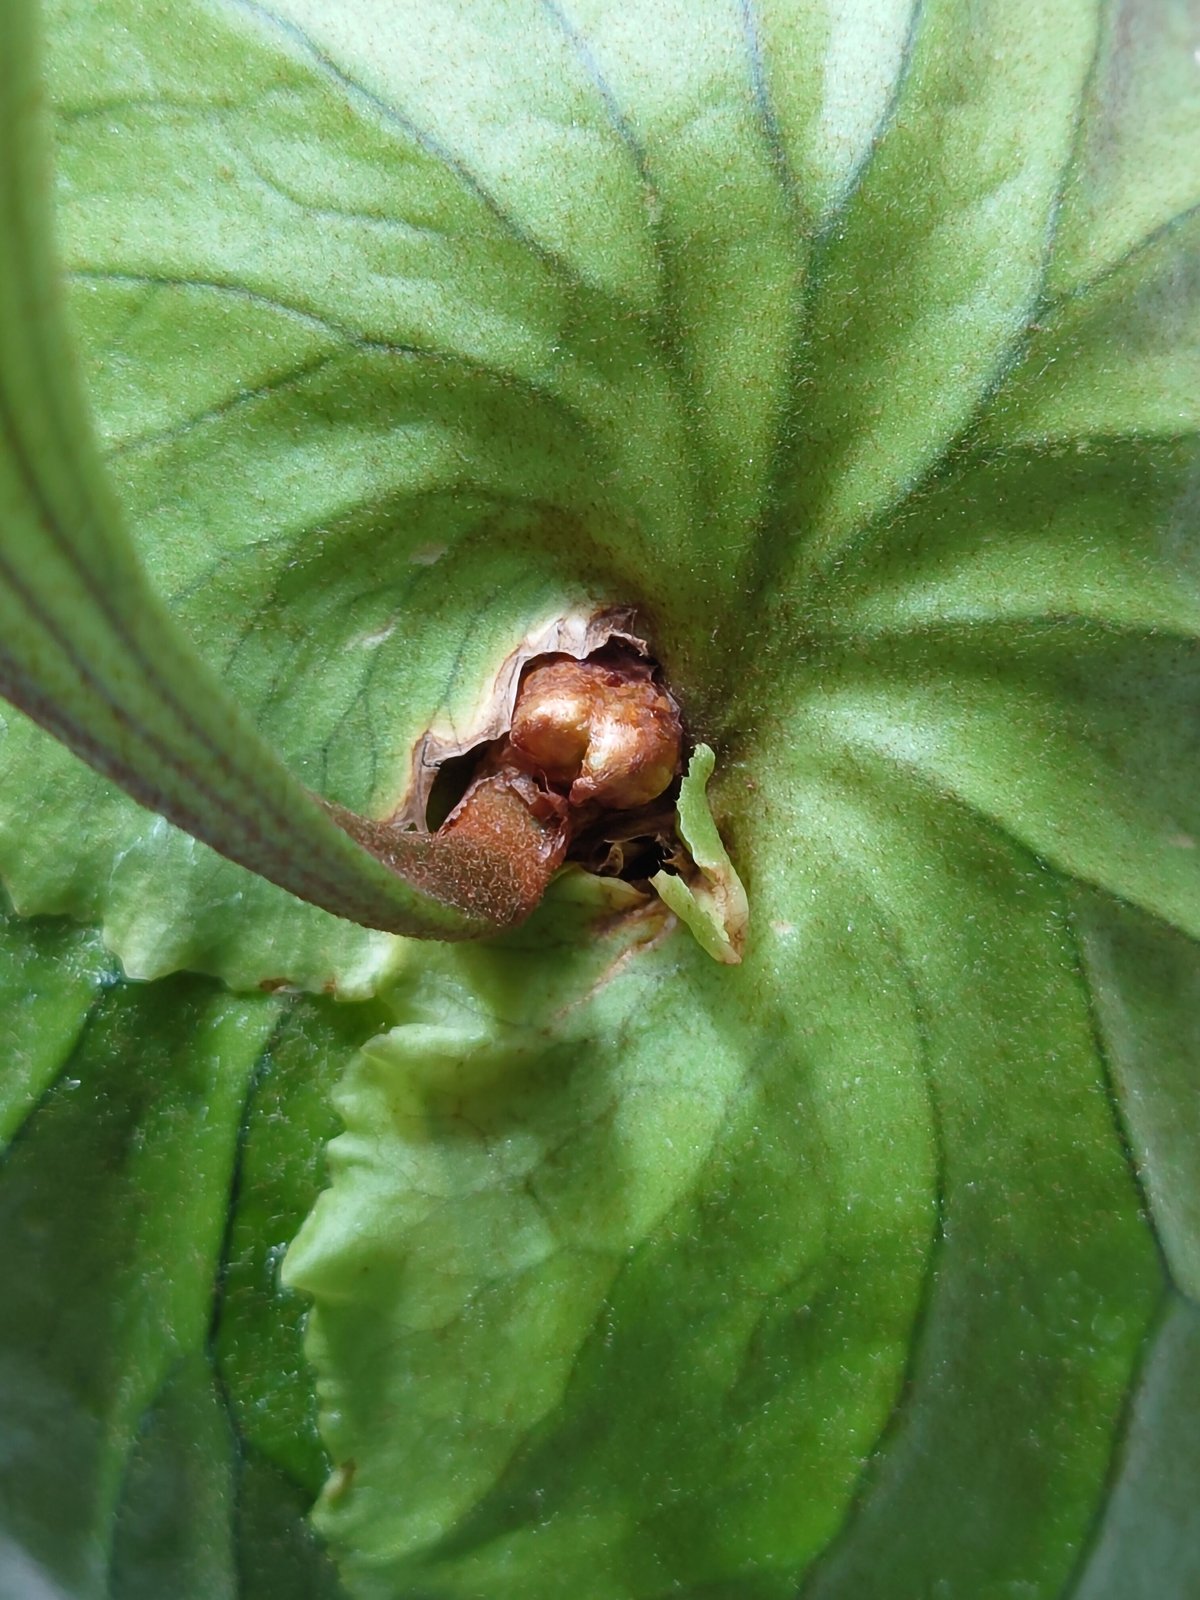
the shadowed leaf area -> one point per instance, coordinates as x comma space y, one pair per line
855, 347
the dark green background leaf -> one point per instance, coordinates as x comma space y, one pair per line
158, 1427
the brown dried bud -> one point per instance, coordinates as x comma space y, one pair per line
609, 734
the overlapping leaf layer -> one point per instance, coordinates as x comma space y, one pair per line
857, 346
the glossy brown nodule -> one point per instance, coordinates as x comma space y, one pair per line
593, 744
589, 740
607, 734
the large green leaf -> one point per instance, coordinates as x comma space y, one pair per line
144, 1339
856, 346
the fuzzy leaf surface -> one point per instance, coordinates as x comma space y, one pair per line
856, 346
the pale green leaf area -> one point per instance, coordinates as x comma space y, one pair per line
1137, 165
856, 346
712, 902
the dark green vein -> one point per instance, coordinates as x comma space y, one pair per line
775, 532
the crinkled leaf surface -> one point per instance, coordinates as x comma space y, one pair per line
857, 345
